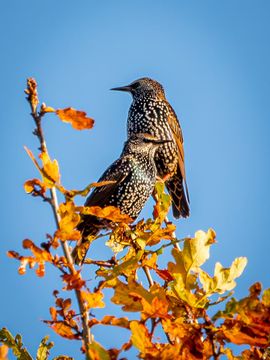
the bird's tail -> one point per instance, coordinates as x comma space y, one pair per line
178, 191
87, 229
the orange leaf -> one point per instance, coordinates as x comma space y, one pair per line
69, 220
93, 300
34, 185
112, 320
162, 234
240, 333
64, 330
53, 313
109, 212
76, 118
3, 352
74, 281
140, 337
157, 308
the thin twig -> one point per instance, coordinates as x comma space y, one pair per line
33, 101
148, 275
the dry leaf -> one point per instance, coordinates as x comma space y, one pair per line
76, 118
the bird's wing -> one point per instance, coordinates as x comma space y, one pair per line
178, 137
117, 172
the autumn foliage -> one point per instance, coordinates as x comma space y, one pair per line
175, 299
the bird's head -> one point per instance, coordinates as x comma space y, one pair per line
143, 143
144, 87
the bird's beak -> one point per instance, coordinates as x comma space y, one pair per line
123, 88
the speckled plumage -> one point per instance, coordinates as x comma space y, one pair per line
134, 174
151, 113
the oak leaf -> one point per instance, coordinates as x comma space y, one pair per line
34, 186
69, 220
129, 295
50, 170
114, 321
109, 212
163, 202
64, 330
140, 337
97, 352
224, 278
73, 281
92, 300
76, 118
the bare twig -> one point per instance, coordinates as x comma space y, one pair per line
148, 275
32, 98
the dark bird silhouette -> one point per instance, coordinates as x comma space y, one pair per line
134, 175
151, 113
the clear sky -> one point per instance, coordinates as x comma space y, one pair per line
212, 58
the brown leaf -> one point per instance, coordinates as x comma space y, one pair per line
76, 118
164, 274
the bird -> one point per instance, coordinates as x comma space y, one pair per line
133, 178
151, 113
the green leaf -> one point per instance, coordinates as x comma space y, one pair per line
43, 349
15, 344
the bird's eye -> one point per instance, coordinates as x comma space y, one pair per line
136, 85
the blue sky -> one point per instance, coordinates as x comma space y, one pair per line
213, 60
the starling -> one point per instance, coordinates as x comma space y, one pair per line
151, 113
134, 175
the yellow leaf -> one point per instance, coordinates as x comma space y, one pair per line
163, 202
196, 250
223, 279
76, 118
50, 169
93, 300
47, 109
140, 337
97, 352
151, 261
